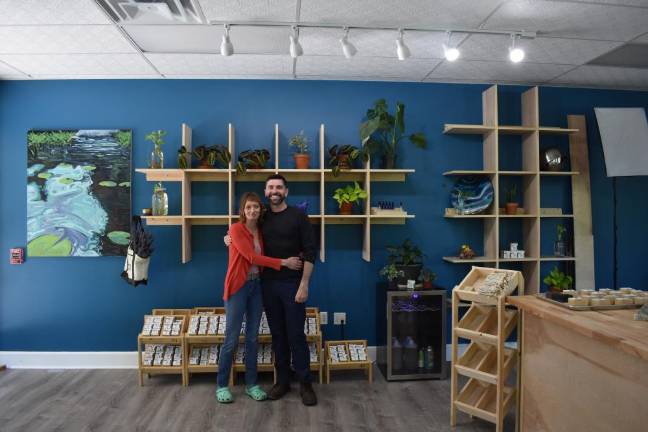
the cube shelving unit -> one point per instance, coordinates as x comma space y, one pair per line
530, 173
321, 175
364, 365
178, 340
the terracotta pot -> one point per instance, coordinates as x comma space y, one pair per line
343, 161
389, 161
511, 208
302, 160
346, 208
204, 164
427, 285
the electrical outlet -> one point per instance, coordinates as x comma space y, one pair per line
338, 317
323, 318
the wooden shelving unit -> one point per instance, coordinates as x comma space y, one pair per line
529, 173
487, 363
159, 339
228, 175
349, 363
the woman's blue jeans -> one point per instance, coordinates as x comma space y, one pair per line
246, 302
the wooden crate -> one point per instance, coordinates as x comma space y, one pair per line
261, 367
365, 365
179, 340
480, 400
467, 288
208, 310
185, 312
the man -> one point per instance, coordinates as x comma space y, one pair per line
287, 232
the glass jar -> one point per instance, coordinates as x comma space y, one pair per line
157, 158
160, 201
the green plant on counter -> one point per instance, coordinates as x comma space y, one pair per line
382, 132
390, 272
349, 194
342, 157
558, 280
252, 159
406, 254
300, 141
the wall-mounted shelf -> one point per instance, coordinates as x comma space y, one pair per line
320, 175
477, 259
530, 174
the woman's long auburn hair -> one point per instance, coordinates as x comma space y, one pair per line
250, 196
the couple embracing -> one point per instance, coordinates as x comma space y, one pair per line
271, 256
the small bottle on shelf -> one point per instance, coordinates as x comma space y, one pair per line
429, 358
420, 359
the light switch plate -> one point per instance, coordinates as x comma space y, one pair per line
323, 318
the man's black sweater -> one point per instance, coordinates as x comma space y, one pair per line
286, 234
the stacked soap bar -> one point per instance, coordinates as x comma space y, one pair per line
607, 297
162, 355
207, 325
264, 328
357, 352
338, 353
162, 326
240, 354
205, 356
310, 326
264, 354
312, 348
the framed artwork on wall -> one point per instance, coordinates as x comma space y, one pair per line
78, 192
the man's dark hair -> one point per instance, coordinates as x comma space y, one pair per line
277, 177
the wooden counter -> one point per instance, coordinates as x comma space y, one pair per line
581, 370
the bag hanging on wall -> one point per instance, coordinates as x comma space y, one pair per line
138, 255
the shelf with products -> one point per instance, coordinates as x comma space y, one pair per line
229, 175
156, 346
347, 355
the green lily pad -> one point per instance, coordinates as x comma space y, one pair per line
108, 183
89, 167
64, 165
124, 184
49, 245
119, 237
44, 175
66, 180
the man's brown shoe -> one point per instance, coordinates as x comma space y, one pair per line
278, 391
307, 393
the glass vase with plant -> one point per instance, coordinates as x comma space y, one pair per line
382, 132
157, 156
560, 246
347, 196
302, 156
342, 157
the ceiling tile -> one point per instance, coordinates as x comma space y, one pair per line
61, 39
374, 43
538, 50
249, 10
35, 12
205, 39
210, 64
575, 20
605, 76
413, 69
423, 13
9, 72
499, 71
79, 64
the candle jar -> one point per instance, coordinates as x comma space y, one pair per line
160, 201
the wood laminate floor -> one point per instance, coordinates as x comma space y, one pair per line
111, 400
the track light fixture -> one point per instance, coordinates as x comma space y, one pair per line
226, 48
401, 49
296, 49
516, 54
451, 53
348, 49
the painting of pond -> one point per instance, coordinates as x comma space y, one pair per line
78, 192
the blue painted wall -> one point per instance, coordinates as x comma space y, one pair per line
82, 304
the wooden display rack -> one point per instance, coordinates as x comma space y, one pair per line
530, 173
365, 365
486, 363
320, 175
193, 341
170, 340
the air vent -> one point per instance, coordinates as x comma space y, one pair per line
628, 56
153, 11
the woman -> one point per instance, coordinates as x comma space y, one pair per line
242, 295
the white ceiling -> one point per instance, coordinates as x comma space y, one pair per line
68, 39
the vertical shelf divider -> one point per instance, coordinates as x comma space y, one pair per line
491, 163
276, 147
322, 196
230, 174
366, 238
186, 199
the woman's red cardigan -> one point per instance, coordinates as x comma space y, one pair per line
241, 257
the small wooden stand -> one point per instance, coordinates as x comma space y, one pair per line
486, 363
349, 364
170, 340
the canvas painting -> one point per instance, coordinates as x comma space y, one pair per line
78, 192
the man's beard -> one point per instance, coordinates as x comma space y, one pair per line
280, 198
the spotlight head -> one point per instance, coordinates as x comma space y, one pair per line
516, 54
296, 49
451, 54
226, 47
402, 51
348, 49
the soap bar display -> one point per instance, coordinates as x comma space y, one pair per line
358, 352
205, 355
162, 355
310, 326
162, 325
602, 299
312, 348
207, 324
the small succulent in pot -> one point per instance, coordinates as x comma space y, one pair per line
427, 276
302, 157
252, 159
347, 196
342, 157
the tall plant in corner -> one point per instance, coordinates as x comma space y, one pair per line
382, 132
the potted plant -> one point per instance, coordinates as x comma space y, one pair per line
302, 157
342, 157
252, 159
560, 246
382, 132
391, 273
511, 204
558, 281
407, 258
347, 196
209, 156
427, 276
157, 156
183, 160
466, 252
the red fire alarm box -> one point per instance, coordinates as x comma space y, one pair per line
17, 256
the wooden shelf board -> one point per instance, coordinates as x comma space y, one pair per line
468, 172
163, 220
167, 174
477, 259
518, 216
525, 259
390, 219
516, 130
477, 216
390, 175
557, 130
345, 219
559, 173
517, 172
557, 216
554, 258
472, 129
208, 219
207, 174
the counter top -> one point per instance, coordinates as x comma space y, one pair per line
616, 328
